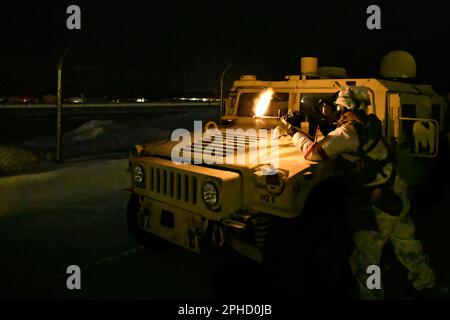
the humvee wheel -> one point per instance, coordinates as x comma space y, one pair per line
147, 240
309, 256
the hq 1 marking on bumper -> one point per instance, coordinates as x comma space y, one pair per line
226, 310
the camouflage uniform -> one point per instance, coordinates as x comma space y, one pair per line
400, 231
372, 227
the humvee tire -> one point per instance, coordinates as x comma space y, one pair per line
308, 257
147, 240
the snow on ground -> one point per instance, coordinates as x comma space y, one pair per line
73, 214
62, 186
14, 159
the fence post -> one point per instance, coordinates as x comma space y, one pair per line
59, 106
222, 76
59, 113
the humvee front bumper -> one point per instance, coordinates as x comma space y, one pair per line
176, 225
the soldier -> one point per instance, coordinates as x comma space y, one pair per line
378, 209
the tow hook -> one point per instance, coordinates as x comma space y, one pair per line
217, 235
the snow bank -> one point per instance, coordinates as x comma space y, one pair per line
99, 137
15, 159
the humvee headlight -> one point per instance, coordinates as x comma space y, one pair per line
138, 176
210, 194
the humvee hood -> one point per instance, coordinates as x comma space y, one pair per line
238, 154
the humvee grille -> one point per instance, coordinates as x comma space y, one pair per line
173, 184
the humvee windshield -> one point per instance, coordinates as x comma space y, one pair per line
246, 104
309, 103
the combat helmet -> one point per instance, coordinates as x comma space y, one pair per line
353, 97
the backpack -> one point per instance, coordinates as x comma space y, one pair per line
365, 169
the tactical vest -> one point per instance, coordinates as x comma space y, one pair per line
365, 169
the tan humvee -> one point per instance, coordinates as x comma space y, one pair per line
168, 201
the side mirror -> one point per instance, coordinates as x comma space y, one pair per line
418, 137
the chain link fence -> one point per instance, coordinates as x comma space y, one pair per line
27, 132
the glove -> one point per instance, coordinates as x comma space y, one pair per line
279, 132
294, 119
289, 122
288, 128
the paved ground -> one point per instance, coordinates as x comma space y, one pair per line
75, 216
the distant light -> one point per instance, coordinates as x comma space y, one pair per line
194, 99
140, 100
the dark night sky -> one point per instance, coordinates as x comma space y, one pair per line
191, 38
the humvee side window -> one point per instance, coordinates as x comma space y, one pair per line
229, 105
407, 111
246, 105
309, 103
436, 112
